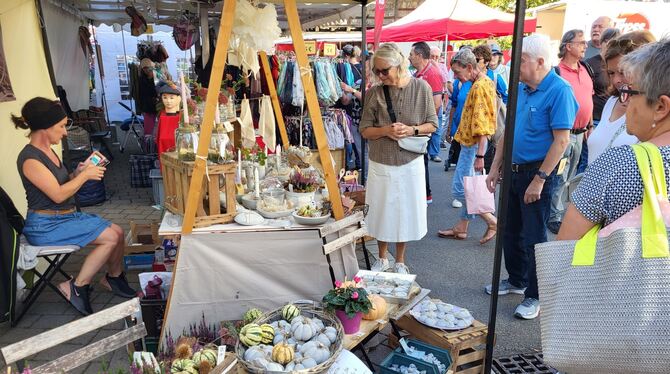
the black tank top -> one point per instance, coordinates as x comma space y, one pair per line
38, 200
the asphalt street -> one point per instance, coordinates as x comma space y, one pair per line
457, 270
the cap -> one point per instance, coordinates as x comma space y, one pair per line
495, 49
168, 88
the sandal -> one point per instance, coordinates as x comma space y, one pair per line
78, 297
490, 233
118, 285
452, 233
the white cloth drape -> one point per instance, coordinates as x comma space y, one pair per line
247, 125
266, 124
69, 62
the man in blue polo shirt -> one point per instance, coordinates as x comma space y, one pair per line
546, 110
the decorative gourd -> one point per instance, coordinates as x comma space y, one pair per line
254, 352
303, 329
273, 366
267, 334
290, 311
321, 338
284, 338
378, 309
301, 364
205, 355
183, 365
331, 333
251, 334
316, 350
282, 353
251, 315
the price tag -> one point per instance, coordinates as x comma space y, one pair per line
222, 354
329, 49
228, 126
310, 47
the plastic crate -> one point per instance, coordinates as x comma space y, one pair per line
441, 354
153, 311
157, 185
403, 359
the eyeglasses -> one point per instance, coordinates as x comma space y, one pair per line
583, 42
626, 45
625, 93
383, 72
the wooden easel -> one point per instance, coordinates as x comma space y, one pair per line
227, 18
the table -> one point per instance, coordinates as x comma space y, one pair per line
224, 270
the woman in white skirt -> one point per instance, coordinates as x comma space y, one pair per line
396, 191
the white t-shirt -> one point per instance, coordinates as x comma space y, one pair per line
603, 137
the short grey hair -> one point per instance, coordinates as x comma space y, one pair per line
568, 37
391, 53
464, 57
649, 68
434, 49
538, 46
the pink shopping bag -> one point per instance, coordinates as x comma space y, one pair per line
478, 199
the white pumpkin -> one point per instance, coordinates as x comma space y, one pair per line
284, 337
301, 364
261, 362
303, 329
330, 332
321, 338
316, 350
318, 323
254, 352
273, 366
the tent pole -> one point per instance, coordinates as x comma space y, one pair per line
506, 181
364, 57
102, 76
125, 59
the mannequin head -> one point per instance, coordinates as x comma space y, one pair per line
171, 102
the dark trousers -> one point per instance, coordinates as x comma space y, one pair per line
526, 225
425, 165
454, 152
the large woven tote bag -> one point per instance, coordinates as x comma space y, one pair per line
606, 301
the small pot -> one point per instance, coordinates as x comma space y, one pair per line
299, 199
350, 325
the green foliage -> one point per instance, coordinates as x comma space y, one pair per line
348, 297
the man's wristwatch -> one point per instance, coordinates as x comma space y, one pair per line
416, 131
542, 175
479, 156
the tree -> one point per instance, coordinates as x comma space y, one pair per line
509, 5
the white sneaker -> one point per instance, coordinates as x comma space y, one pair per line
456, 204
381, 264
401, 268
528, 309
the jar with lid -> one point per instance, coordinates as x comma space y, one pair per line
220, 147
186, 140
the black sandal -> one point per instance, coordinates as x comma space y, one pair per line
120, 287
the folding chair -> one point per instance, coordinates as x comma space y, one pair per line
130, 126
56, 257
348, 230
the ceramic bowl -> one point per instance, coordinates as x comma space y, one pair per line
249, 202
310, 221
273, 215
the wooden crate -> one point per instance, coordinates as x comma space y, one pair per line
467, 355
177, 180
142, 238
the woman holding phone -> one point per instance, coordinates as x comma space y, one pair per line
52, 218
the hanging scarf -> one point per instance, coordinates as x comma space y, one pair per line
349, 75
298, 96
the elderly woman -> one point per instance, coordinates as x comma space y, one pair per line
52, 218
478, 123
396, 191
612, 185
611, 130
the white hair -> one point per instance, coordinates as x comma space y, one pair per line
391, 53
435, 49
649, 68
538, 46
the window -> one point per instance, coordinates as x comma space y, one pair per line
124, 81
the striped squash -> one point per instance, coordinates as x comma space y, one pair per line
268, 334
290, 311
205, 355
251, 334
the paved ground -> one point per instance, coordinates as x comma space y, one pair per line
455, 271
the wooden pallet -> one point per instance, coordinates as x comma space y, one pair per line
467, 355
177, 179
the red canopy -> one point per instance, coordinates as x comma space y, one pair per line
459, 19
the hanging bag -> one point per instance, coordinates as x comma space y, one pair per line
605, 300
417, 144
478, 198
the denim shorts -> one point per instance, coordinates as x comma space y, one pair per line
74, 228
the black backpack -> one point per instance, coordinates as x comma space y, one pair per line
11, 226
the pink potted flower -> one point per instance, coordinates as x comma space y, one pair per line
350, 302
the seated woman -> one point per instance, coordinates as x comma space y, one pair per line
612, 185
52, 218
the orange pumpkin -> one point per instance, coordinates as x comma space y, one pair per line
378, 309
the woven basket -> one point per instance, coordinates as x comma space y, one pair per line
310, 311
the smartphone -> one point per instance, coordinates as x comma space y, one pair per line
96, 158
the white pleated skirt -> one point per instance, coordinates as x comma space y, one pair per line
396, 196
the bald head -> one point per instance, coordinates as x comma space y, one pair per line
600, 24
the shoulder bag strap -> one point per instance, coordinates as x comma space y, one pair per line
389, 105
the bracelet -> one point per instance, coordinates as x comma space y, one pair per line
478, 156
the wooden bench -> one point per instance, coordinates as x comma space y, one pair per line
21, 350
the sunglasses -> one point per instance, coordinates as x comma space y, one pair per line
625, 93
383, 72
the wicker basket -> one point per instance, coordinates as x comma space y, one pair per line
307, 310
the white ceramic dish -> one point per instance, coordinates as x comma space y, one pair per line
367, 275
467, 322
272, 215
310, 221
249, 218
249, 202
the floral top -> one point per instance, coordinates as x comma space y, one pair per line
479, 115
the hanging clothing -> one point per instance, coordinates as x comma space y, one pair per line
247, 125
349, 75
298, 94
293, 130
167, 126
266, 124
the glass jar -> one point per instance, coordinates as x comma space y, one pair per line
186, 140
219, 146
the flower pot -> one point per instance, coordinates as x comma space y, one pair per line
299, 199
350, 325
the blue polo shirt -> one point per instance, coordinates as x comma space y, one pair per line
501, 85
458, 98
551, 106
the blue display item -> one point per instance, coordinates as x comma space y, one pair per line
441, 354
402, 359
138, 261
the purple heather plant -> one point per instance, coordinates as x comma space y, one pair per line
303, 181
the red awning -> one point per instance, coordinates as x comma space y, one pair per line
459, 19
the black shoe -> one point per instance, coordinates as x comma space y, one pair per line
554, 227
120, 286
79, 298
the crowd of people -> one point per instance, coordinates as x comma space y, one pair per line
575, 122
